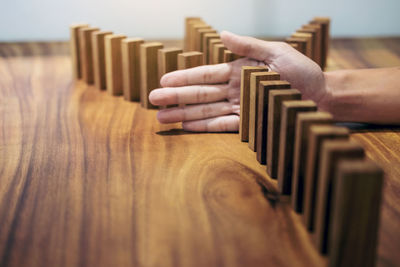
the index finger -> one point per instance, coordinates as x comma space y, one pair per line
208, 74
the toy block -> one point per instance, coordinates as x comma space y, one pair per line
245, 99
189, 20
309, 38
112, 44
262, 110
206, 44
86, 53
189, 60
190, 36
314, 42
332, 152
167, 60
218, 53
317, 134
325, 32
355, 215
75, 49
200, 36
276, 98
255, 79
303, 124
131, 68
99, 59
290, 109
211, 44
195, 46
316, 30
148, 71
300, 44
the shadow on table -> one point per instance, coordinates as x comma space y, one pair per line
366, 127
172, 132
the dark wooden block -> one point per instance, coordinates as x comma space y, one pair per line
262, 111
317, 134
276, 98
316, 30
325, 32
300, 44
290, 109
332, 152
309, 42
355, 215
303, 124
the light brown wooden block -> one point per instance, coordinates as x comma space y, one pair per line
190, 30
262, 110
189, 20
245, 100
325, 32
86, 53
317, 134
255, 79
316, 30
300, 44
167, 60
309, 38
332, 152
290, 109
314, 42
131, 68
218, 53
114, 81
189, 60
194, 35
212, 43
200, 37
276, 98
206, 44
75, 49
148, 71
99, 58
303, 124
355, 215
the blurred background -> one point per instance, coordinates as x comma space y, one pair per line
41, 20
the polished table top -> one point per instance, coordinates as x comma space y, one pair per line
87, 179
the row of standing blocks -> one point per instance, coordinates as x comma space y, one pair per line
330, 182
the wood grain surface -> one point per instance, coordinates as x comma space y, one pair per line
88, 179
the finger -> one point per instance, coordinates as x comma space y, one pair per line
189, 94
209, 74
195, 112
229, 123
250, 47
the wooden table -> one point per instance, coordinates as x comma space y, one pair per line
87, 179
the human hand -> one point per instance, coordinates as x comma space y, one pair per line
214, 90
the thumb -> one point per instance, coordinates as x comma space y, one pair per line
249, 47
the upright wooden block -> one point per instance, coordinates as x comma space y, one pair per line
195, 38
262, 111
355, 215
189, 60
167, 60
309, 38
332, 152
200, 37
190, 35
131, 68
303, 124
148, 71
206, 44
245, 100
218, 53
255, 79
99, 58
229, 56
290, 109
75, 49
114, 63
189, 20
325, 32
317, 134
300, 44
86, 53
314, 29
212, 43
276, 98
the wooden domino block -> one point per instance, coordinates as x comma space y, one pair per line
200, 36
325, 32
212, 43
355, 215
206, 44
262, 111
314, 43
218, 53
75, 49
290, 109
245, 100
317, 134
167, 60
188, 21
86, 53
131, 68
195, 38
316, 30
99, 59
189, 35
309, 42
332, 152
114, 81
255, 79
303, 124
300, 44
148, 71
189, 60
276, 98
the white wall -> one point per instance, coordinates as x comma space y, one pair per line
49, 19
